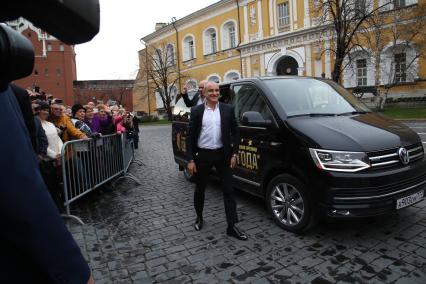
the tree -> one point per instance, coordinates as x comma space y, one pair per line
394, 38
163, 73
344, 18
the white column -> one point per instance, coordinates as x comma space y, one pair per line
294, 13
246, 34
327, 59
318, 68
307, 20
262, 64
290, 9
248, 62
259, 19
271, 17
274, 11
308, 60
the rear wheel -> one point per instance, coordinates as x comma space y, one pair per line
289, 203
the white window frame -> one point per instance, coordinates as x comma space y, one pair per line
283, 15
213, 76
210, 44
226, 77
170, 58
188, 52
363, 78
400, 67
226, 34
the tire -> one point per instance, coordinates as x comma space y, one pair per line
187, 175
290, 204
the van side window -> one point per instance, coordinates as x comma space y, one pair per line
247, 98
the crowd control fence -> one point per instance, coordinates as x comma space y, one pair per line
89, 164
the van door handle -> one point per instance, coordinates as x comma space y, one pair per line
276, 143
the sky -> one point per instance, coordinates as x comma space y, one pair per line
113, 52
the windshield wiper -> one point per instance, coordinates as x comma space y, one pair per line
353, 112
313, 114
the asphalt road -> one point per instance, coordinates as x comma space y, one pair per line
144, 234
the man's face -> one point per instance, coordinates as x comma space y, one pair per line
212, 92
56, 110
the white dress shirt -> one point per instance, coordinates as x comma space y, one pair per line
55, 142
211, 134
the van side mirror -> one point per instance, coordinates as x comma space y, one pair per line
254, 118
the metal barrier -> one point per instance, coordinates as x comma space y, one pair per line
88, 164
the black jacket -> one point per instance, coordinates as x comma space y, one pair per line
229, 127
35, 244
41, 140
191, 102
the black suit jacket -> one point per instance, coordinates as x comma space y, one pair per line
229, 127
35, 244
191, 102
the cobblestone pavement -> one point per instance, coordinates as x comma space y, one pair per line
144, 234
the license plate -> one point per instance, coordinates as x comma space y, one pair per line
409, 200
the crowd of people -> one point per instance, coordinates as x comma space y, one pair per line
53, 123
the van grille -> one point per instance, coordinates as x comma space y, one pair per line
390, 158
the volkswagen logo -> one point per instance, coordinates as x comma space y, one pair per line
403, 155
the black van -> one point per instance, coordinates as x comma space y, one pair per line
308, 146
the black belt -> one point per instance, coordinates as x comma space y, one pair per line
210, 150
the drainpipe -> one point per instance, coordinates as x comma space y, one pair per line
147, 79
239, 37
177, 52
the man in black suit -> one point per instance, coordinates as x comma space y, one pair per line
213, 141
197, 99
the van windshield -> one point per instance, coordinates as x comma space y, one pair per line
303, 96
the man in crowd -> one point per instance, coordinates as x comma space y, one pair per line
63, 123
213, 141
197, 99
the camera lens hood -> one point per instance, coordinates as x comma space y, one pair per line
16, 55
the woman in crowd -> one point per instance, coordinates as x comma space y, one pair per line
92, 119
105, 121
51, 164
79, 115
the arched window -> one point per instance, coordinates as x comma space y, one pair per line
229, 35
210, 41
360, 70
214, 78
231, 76
188, 48
170, 55
158, 58
399, 63
192, 85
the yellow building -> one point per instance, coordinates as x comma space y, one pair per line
232, 39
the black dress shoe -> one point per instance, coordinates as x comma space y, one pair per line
198, 224
236, 233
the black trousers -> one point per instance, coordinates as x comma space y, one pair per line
204, 162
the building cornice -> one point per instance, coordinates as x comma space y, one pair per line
187, 19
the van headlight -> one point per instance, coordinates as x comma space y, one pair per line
340, 161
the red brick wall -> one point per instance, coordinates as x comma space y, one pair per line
118, 90
56, 71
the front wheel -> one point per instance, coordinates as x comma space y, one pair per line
289, 203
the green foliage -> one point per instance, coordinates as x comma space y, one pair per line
406, 113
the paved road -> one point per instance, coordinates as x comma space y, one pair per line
144, 234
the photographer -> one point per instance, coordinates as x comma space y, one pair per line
67, 129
